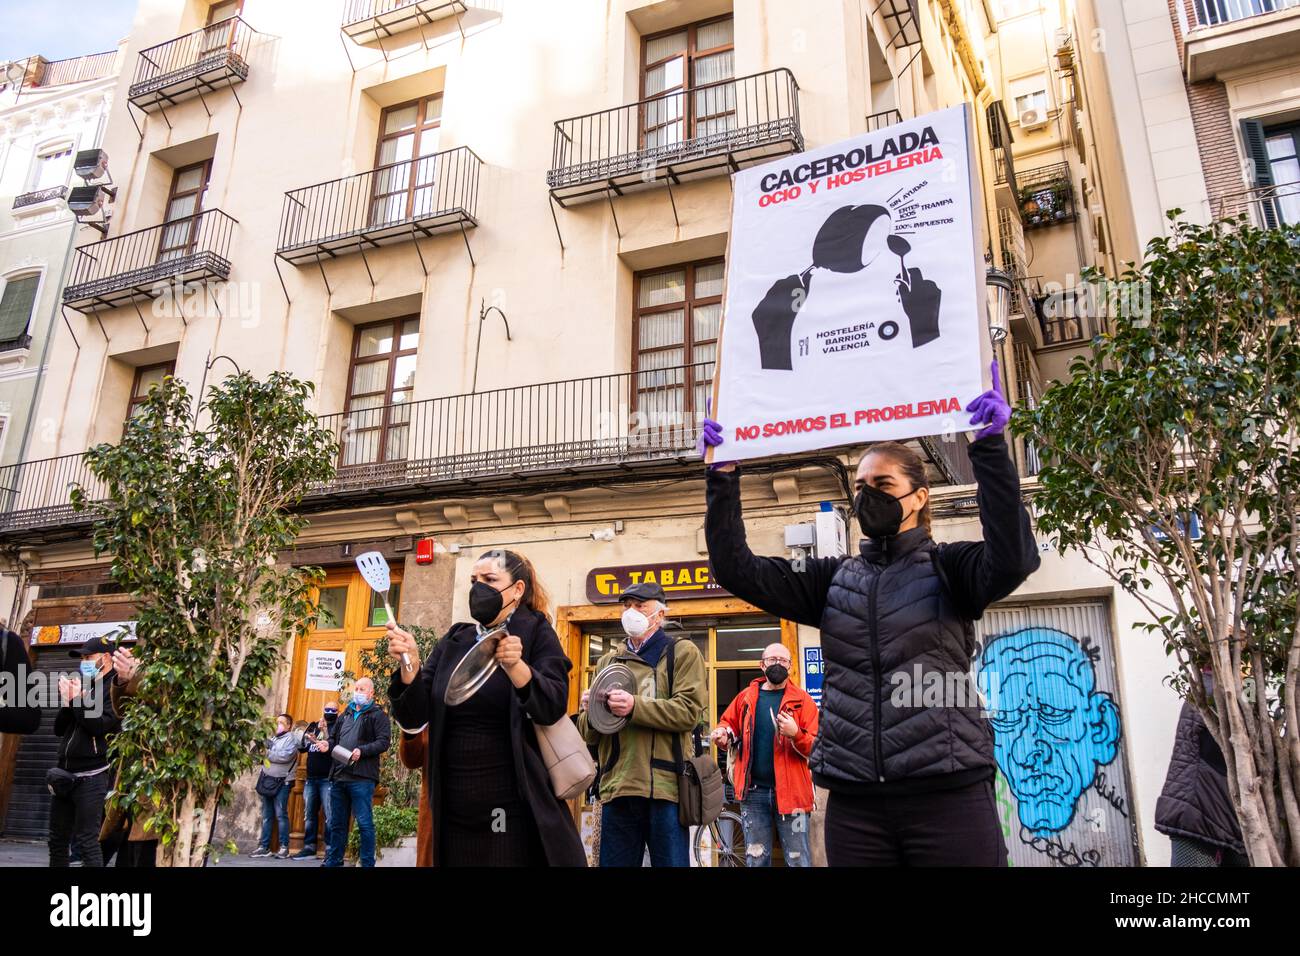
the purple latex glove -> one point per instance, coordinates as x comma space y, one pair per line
990, 408
711, 437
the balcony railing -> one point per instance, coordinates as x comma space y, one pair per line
393, 203
685, 135
199, 62
1046, 196
77, 69
1210, 13
1265, 207
1000, 139
139, 265
366, 21
882, 119
39, 196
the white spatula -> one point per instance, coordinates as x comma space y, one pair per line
374, 569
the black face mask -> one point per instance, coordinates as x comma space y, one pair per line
330, 715
485, 603
776, 673
879, 513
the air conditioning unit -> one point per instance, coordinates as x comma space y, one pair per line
1032, 118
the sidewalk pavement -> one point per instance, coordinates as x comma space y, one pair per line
25, 853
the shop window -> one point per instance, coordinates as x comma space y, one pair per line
381, 383
675, 336
692, 61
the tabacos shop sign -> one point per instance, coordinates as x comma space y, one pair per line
679, 579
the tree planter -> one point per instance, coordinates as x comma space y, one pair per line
401, 855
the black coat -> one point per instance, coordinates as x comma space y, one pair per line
545, 699
16, 719
373, 737
83, 744
1194, 802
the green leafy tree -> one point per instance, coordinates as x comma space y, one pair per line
1181, 419
194, 519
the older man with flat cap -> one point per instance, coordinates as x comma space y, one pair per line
638, 763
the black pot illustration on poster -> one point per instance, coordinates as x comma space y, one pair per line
850, 239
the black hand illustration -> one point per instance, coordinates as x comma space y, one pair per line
774, 318
920, 298
838, 245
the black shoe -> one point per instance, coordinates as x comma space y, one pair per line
260, 853
306, 853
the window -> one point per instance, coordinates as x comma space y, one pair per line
224, 10
219, 34
1283, 145
688, 58
16, 304
380, 385
405, 177
675, 337
51, 168
146, 377
184, 207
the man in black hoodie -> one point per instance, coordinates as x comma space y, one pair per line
316, 789
83, 724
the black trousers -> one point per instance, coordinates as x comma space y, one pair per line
957, 827
77, 818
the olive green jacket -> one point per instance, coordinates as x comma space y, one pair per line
628, 768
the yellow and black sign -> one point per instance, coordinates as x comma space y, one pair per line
679, 579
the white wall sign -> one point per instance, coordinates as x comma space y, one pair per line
855, 303
324, 670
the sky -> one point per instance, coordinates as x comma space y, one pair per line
59, 29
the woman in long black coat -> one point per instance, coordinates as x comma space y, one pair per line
490, 795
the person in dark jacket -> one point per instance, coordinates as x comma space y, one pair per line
366, 731
1194, 809
316, 788
909, 784
489, 792
83, 725
16, 717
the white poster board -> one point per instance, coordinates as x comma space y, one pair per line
324, 670
855, 301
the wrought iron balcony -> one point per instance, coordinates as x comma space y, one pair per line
393, 203
366, 21
1046, 196
704, 131
1000, 139
39, 196
200, 62
1265, 207
619, 427
882, 119
139, 265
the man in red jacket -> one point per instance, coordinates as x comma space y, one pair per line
769, 730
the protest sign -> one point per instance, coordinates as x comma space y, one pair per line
855, 298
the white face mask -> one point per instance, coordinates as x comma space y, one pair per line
635, 623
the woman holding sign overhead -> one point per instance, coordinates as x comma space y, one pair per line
911, 784
491, 799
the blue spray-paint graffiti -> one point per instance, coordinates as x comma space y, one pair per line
1052, 728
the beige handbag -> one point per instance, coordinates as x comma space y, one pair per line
567, 759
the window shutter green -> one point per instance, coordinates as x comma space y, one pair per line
1252, 134
16, 307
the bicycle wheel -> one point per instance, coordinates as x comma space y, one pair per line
721, 843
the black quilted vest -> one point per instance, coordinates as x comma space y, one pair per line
888, 613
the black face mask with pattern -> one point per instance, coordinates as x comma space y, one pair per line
879, 513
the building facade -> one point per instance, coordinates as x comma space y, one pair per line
495, 236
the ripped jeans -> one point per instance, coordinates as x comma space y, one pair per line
757, 815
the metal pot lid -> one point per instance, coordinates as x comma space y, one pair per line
473, 670
613, 677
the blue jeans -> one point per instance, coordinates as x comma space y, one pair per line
315, 793
277, 808
629, 824
757, 814
351, 796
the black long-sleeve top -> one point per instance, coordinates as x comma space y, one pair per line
977, 573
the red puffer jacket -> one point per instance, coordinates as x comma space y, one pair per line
794, 788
